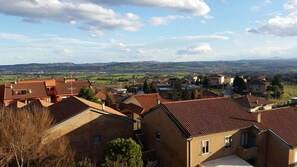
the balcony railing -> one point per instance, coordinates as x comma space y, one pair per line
247, 153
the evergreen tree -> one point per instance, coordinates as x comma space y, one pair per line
239, 84
146, 87
122, 152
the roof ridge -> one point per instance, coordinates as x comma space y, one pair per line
193, 100
275, 109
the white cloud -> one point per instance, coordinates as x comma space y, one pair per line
202, 37
157, 21
17, 37
280, 25
119, 45
194, 7
201, 48
86, 13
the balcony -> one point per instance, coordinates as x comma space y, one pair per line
247, 153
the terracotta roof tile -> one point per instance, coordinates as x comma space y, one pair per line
283, 122
31, 90
148, 101
252, 101
74, 105
70, 88
208, 116
101, 95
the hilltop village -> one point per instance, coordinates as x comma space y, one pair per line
204, 121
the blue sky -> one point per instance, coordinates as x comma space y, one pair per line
89, 31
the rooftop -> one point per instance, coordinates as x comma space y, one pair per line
208, 116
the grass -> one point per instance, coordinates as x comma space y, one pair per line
289, 92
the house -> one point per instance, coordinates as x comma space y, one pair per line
219, 79
145, 101
257, 86
253, 103
89, 126
24, 92
216, 79
55, 89
66, 88
190, 133
36, 105
218, 131
281, 136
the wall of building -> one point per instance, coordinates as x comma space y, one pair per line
277, 152
216, 146
171, 149
83, 128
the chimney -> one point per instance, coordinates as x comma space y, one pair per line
103, 105
257, 101
30, 91
258, 117
158, 101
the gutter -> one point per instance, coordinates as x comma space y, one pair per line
189, 152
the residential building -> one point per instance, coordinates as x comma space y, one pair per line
89, 126
145, 101
253, 103
189, 133
216, 79
218, 131
24, 92
257, 86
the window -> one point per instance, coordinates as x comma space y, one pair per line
158, 135
228, 142
244, 139
205, 147
96, 139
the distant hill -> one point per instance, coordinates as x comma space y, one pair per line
242, 66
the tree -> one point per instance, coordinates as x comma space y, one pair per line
205, 81
123, 152
277, 81
185, 95
239, 84
146, 87
87, 93
21, 144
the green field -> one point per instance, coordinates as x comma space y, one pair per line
289, 92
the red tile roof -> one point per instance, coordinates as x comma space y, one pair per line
31, 90
130, 107
101, 95
208, 116
252, 101
70, 88
148, 101
73, 105
283, 122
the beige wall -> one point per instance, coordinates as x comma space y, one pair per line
216, 146
133, 101
172, 147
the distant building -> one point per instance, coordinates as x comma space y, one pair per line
50, 90
257, 86
219, 79
253, 103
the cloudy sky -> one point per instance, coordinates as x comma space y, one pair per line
88, 31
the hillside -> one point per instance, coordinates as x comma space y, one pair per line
242, 66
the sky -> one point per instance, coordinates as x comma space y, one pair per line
97, 31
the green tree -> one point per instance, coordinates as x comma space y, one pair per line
185, 95
239, 84
277, 81
122, 152
205, 81
146, 87
87, 93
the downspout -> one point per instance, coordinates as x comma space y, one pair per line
189, 152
